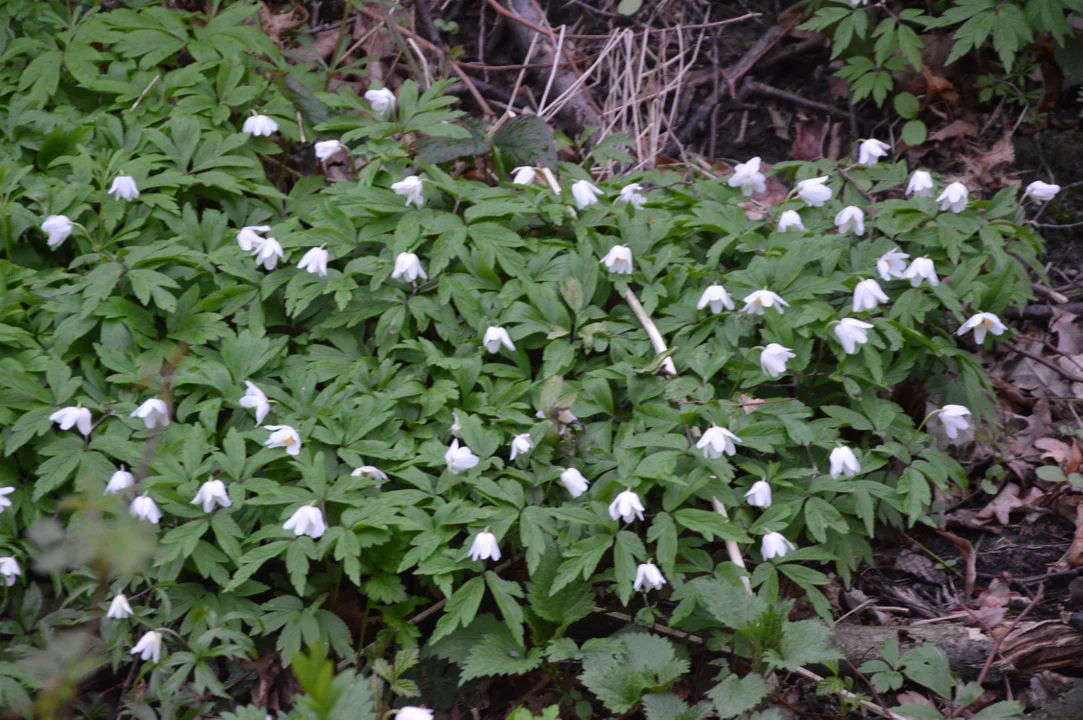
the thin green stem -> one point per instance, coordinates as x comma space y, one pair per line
338, 44
741, 372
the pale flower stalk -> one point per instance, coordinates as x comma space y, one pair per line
485, 547
521, 444
315, 262
9, 570
59, 228
748, 177
523, 175
408, 268
619, 260
850, 219
954, 418
790, 219
648, 577
306, 520
921, 184
249, 238
759, 495
326, 149
381, 101
585, 193
120, 481
284, 436
574, 482
716, 442
154, 413
773, 359
851, 333
460, 459
260, 126
257, 400
814, 192
717, 298
119, 608
144, 508
149, 646
630, 195
756, 302
892, 264
77, 417
953, 198
843, 462
212, 493
626, 506
269, 253
411, 188
981, 324
870, 151
775, 545
1037, 190
124, 188
868, 295
495, 337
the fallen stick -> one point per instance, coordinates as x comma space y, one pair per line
751, 87
1000, 640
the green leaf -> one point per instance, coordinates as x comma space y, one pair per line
461, 608
906, 105
526, 141
505, 592
499, 654
735, 695
629, 7
914, 133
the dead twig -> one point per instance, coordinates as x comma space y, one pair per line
757, 88
1000, 640
1042, 361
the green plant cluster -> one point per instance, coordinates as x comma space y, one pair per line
342, 519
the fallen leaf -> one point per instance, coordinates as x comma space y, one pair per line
1069, 334
939, 86
750, 404
920, 566
808, 139
910, 697
278, 26
1074, 557
959, 128
1007, 502
969, 557
1056, 450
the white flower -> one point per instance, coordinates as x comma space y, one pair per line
59, 228
953, 198
4, 501
495, 337
484, 547
567, 417
381, 101
954, 419
855, 3
626, 506
119, 608
759, 495
921, 184
618, 260
255, 398
648, 577
790, 219
574, 482
981, 324
408, 267
144, 508
120, 480
268, 253
585, 193
716, 441
844, 462
326, 149
1040, 191
306, 520
69, 417
870, 151
867, 295
773, 359
459, 459
211, 493
523, 175
521, 444
123, 188
775, 545
154, 413
9, 570
413, 713
717, 297
630, 194
260, 125
315, 261
755, 302
369, 472
748, 177
284, 436
248, 237
150, 645
814, 191
891, 264
411, 188
456, 427
851, 218
852, 333
921, 268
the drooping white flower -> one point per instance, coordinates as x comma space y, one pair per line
626, 506
381, 101
154, 413
144, 508
413, 713
69, 417
456, 426
954, 419
124, 188
9, 570
211, 493
411, 188
759, 495
484, 547
981, 324
921, 269
630, 194
851, 333
619, 260
315, 261
892, 264
119, 608
5, 502
120, 481
585, 193
306, 520
814, 192
717, 297
460, 459
284, 436
567, 417
495, 337
748, 177
269, 253
369, 472
521, 444
648, 577
408, 268
773, 359
851, 218
326, 149
867, 295
59, 228
843, 462
260, 126
790, 219
255, 398
921, 184
574, 482
870, 151
248, 237
775, 545
1040, 191
523, 175
953, 198
717, 441
756, 302
150, 645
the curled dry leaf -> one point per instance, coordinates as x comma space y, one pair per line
1007, 502
750, 404
920, 566
969, 557
1056, 450
277, 27
1069, 333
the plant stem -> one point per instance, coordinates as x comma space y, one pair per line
338, 44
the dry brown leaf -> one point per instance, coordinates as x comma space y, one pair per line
959, 128
920, 566
1074, 557
1069, 334
808, 139
938, 86
1007, 502
1055, 450
278, 26
750, 404
969, 557
911, 697
986, 170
